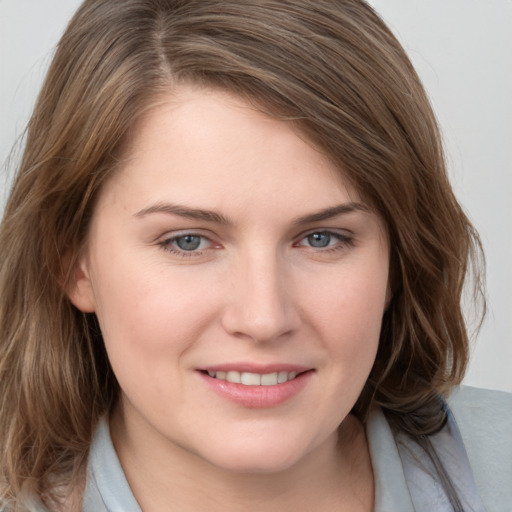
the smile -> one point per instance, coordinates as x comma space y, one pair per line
262, 387
254, 379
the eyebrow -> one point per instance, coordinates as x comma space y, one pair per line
329, 213
184, 211
218, 218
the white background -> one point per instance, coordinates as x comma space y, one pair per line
462, 50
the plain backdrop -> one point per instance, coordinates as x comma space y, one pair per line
462, 50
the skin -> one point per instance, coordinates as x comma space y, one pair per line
260, 288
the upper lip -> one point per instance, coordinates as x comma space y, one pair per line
256, 368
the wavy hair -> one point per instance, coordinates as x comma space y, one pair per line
330, 65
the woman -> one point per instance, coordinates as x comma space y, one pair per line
231, 270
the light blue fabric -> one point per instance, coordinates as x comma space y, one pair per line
475, 446
423, 482
391, 491
485, 422
107, 489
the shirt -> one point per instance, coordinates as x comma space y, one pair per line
474, 446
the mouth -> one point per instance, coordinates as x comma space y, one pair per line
253, 379
254, 387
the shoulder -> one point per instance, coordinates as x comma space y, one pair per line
484, 418
481, 399
482, 413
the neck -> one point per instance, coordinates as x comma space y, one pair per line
335, 476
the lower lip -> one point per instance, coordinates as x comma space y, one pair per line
258, 397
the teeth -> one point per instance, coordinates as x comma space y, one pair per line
254, 379
269, 379
250, 379
233, 377
282, 377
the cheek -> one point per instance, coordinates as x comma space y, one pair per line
350, 300
148, 327
148, 318
346, 308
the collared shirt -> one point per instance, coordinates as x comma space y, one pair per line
405, 478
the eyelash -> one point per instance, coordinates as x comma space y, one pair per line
343, 241
167, 245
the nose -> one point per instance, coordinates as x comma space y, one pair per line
260, 306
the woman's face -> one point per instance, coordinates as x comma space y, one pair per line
227, 249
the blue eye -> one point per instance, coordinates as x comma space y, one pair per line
188, 242
319, 240
326, 240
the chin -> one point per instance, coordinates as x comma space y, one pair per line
256, 458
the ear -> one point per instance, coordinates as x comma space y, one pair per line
79, 286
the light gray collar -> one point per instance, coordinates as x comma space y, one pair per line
107, 489
405, 480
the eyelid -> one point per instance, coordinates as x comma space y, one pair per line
167, 242
344, 234
343, 238
177, 233
341, 241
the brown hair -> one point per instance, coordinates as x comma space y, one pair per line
332, 66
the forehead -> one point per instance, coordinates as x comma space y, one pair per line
196, 132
